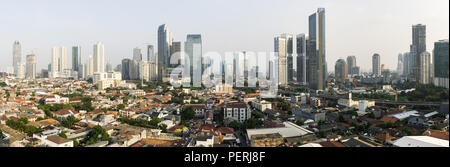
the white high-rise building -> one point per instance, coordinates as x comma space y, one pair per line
424, 73
89, 67
144, 70
17, 57
58, 61
21, 71
99, 58
30, 66
137, 54
280, 51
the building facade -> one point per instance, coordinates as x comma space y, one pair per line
441, 68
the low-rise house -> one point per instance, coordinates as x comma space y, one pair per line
309, 113
420, 141
290, 130
237, 111
262, 105
56, 99
209, 117
57, 141
199, 109
202, 141
436, 134
64, 113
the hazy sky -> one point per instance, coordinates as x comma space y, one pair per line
353, 27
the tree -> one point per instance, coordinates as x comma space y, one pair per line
188, 114
3, 84
252, 123
155, 121
299, 123
63, 135
97, 133
120, 106
69, 121
1, 134
163, 127
233, 124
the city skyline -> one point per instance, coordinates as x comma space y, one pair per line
118, 47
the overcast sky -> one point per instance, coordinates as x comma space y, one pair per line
353, 27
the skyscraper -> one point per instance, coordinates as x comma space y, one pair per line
176, 48
76, 58
153, 63
193, 49
424, 73
30, 67
441, 67
126, 69
351, 63
99, 58
400, 64
341, 70
58, 61
418, 47
164, 46
280, 51
137, 54
144, 70
17, 57
289, 57
108, 67
376, 65
301, 59
317, 53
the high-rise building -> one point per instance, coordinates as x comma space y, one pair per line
108, 67
424, 73
351, 63
126, 64
376, 65
301, 59
89, 67
153, 63
418, 47
164, 46
408, 64
134, 70
99, 58
400, 64
176, 48
193, 49
441, 68
341, 70
317, 52
355, 70
151, 53
58, 61
17, 57
137, 54
280, 51
30, 67
289, 56
144, 71
76, 58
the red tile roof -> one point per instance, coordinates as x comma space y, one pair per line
331, 144
437, 134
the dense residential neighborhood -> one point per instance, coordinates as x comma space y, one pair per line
72, 113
